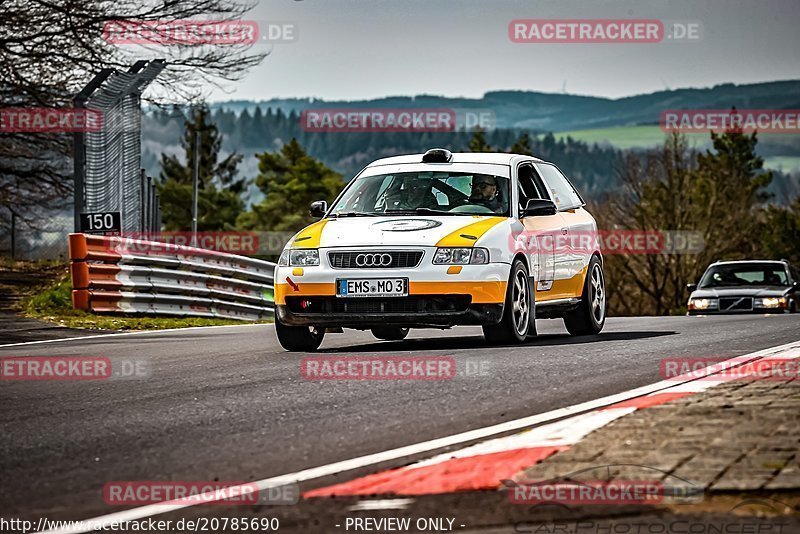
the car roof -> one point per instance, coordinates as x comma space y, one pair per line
782, 262
496, 158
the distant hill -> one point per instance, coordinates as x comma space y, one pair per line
589, 131
561, 112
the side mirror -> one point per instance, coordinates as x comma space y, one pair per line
537, 207
691, 287
318, 209
796, 285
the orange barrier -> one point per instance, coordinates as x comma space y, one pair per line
117, 275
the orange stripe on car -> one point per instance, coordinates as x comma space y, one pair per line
482, 292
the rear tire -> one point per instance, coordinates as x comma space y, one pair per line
518, 311
590, 315
299, 338
390, 333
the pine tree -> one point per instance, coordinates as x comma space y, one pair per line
290, 180
522, 145
478, 142
219, 190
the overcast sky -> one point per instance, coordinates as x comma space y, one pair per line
354, 49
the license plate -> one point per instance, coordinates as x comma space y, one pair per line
373, 287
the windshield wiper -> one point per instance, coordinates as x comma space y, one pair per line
423, 211
354, 214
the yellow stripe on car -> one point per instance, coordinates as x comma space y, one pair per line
309, 237
469, 234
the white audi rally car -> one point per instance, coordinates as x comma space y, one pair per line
441, 239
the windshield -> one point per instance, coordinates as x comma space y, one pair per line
409, 193
745, 274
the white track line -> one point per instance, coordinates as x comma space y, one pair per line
138, 332
142, 512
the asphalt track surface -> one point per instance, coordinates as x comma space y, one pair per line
229, 404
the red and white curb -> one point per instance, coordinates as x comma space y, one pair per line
485, 465
479, 466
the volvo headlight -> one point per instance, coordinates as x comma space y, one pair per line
302, 257
703, 304
770, 302
460, 256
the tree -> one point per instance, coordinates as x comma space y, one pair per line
717, 195
50, 50
219, 200
780, 234
522, 145
478, 142
290, 180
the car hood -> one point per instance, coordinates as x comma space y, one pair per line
756, 291
396, 231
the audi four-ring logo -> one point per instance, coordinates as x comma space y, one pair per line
373, 260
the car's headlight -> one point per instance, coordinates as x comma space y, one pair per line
460, 256
302, 257
770, 302
703, 304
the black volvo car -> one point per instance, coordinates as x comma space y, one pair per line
750, 286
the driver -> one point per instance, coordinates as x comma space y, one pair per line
484, 193
416, 193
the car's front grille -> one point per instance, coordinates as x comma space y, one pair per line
735, 303
367, 305
392, 259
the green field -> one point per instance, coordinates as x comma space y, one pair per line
627, 137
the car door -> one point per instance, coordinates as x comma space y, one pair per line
540, 233
579, 229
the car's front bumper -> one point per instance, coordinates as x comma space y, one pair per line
438, 295
759, 311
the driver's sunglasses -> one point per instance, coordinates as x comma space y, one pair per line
484, 184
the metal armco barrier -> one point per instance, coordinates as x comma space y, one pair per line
118, 275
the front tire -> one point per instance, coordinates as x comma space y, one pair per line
518, 311
590, 315
390, 333
299, 338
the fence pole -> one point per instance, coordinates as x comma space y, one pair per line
13, 235
194, 185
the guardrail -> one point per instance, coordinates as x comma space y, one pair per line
119, 275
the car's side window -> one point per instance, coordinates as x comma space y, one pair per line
564, 195
528, 186
795, 274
